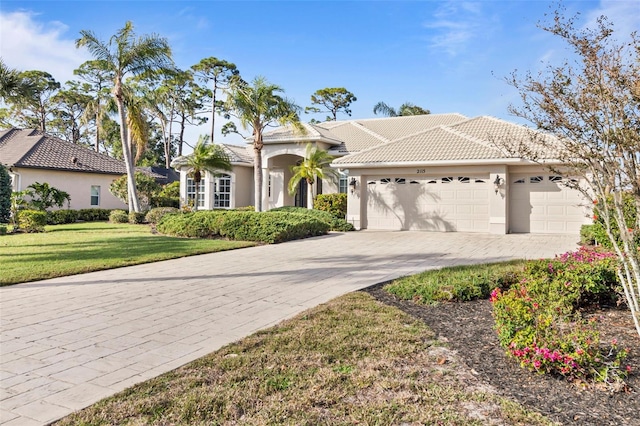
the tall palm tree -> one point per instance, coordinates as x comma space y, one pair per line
126, 53
315, 165
257, 106
404, 110
205, 158
9, 80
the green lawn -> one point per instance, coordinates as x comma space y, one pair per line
351, 361
92, 246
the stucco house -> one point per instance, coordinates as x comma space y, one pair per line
32, 156
437, 172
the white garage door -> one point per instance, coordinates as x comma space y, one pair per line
541, 204
436, 203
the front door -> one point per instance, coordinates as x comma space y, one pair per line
301, 194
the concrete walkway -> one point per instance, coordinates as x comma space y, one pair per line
66, 343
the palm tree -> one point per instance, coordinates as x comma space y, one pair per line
315, 165
125, 53
258, 106
9, 80
44, 196
205, 157
405, 109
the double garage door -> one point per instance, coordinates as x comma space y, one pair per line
430, 203
538, 203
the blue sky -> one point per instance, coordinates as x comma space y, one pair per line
447, 56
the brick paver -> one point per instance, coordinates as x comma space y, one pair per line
67, 342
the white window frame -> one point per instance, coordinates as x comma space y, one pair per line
191, 191
222, 200
95, 194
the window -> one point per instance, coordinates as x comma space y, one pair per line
343, 183
95, 195
464, 179
555, 178
479, 180
401, 180
536, 179
447, 179
519, 181
432, 181
191, 192
222, 191
385, 180
415, 182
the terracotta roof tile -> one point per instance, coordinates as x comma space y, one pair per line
32, 149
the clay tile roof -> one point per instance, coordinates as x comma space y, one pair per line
438, 144
238, 154
32, 149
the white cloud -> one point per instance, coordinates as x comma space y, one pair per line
31, 45
624, 14
455, 25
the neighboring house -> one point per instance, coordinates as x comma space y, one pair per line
32, 156
437, 172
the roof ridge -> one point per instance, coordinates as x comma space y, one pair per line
410, 116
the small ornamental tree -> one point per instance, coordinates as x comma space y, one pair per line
146, 185
592, 107
5, 195
45, 196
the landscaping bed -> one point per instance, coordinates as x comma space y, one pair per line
468, 328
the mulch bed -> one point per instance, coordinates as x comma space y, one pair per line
468, 329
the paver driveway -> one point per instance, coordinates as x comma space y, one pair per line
68, 342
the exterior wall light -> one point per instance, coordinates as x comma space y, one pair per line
498, 183
352, 184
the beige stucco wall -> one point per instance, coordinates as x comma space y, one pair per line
77, 184
241, 187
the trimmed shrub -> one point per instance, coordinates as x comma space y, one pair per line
58, 217
93, 215
154, 215
334, 223
539, 321
3, 229
32, 220
242, 225
336, 204
136, 218
119, 216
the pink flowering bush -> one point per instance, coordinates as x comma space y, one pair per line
539, 321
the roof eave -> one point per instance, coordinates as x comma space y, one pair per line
491, 161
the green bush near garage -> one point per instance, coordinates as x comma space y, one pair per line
336, 204
119, 216
335, 224
32, 220
266, 227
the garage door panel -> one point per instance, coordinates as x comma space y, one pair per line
448, 206
544, 207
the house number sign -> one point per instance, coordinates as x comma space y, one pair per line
420, 171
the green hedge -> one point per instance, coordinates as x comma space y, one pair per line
267, 227
335, 224
118, 216
93, 215
336, 204
32, 220
136, 218
59, 217
154, 215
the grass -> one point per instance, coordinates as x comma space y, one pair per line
92, 246
351, 361
457, 283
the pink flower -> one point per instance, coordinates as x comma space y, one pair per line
537, 364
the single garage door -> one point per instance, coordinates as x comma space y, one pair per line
434, 203
539, 203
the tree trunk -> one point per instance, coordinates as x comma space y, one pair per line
213, 110
257, 165
310, 195
134, 205
195, 201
